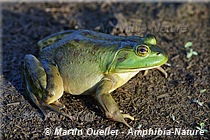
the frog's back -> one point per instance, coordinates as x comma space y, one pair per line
80, 60
83, 57
53, 38
85, 33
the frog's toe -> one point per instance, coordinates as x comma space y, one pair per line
128, 116
119, 117
37, 103
145, 72
163, 71
57, 105
42, 109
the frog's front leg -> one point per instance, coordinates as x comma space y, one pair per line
108, 104
44, 84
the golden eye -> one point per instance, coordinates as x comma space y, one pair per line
142, 50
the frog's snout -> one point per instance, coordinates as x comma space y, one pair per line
161, 53
158, 50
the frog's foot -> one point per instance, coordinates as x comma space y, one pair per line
55, 106
108, 105
160, 69
117, 116
163, 71
127, 116
145, 72
38, 104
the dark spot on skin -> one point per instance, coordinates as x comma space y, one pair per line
126, 55
60, 59
76, 40
121, 59
76, 53
95, 47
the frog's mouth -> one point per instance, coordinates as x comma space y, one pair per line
158, 68
138, 69
146, 69
141, 69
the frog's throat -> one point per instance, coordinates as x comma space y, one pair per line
139, 69
145, 69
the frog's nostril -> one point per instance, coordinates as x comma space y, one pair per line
158, 53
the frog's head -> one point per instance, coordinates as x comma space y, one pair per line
145, 55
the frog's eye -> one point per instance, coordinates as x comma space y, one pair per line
142, 50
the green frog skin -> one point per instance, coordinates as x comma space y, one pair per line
84, 62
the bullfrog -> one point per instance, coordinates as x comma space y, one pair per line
84, 62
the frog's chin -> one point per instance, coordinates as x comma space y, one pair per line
143, 69
136, 69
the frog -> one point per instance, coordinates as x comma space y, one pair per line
85, 62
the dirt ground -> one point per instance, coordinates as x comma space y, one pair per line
180, 101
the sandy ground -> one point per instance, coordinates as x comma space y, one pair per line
180, 101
